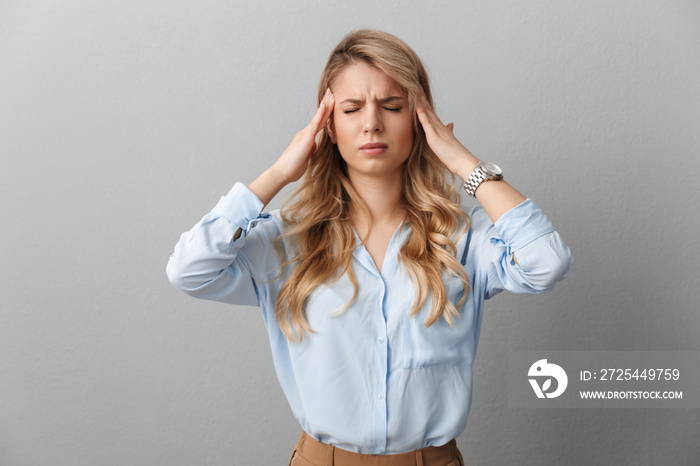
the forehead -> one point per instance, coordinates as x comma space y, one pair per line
361, 79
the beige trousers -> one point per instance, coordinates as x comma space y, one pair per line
310, 452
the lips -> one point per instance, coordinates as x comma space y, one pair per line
374, 145
374, 148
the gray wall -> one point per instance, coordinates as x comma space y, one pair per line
122, 122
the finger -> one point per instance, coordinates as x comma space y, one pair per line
451, 127
321, 107
319, 112
421, 110
427, 109
330, 106
323, 112
427, 117
425, 122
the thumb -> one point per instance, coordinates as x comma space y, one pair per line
451, 127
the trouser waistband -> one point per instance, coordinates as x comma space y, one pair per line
321, 454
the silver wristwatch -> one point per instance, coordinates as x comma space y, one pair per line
484, 171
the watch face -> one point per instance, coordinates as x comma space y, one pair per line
491, 168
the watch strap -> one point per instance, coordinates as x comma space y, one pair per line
478, 176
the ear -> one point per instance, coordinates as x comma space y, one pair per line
330, 127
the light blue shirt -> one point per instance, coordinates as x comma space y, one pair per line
371, 379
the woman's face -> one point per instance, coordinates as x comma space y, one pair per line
371, 123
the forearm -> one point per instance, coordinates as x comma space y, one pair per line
267, 185
525, 232
496, 197
207, 264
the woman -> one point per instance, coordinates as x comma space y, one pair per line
372, 280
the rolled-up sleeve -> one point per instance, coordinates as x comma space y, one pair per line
524, 232
208, 263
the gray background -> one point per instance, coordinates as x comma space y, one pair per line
122, 122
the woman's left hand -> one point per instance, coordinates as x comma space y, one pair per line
442, 140
497, 197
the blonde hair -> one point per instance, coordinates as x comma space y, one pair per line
319, 225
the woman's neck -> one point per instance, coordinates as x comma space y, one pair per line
382, 196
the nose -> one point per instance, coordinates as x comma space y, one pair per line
373, 121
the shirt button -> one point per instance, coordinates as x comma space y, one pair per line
380, 396
380, 340
378, 449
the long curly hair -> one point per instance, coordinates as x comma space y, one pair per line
319, 225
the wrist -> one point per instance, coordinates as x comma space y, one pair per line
277, 176
467, 164
267, 185
484, 171
466, 169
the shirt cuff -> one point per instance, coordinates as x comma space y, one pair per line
522, 224
240, 206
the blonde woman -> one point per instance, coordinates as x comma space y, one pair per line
372, 279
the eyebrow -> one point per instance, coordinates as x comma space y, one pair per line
385, 100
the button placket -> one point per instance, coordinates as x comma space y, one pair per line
381, 369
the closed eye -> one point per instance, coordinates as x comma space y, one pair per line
391, 109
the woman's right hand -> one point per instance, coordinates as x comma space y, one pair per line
294, 161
